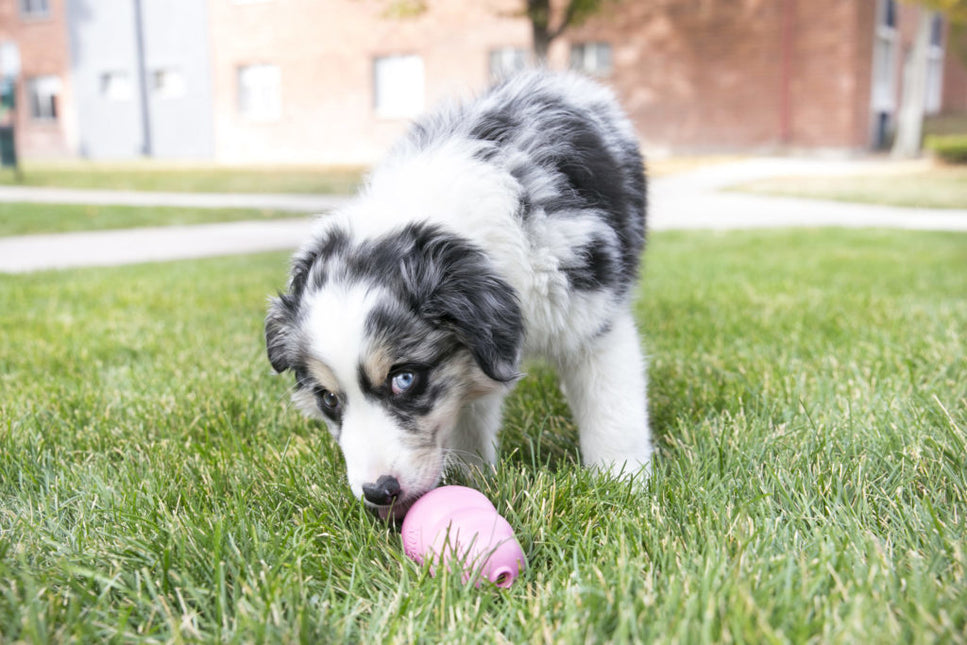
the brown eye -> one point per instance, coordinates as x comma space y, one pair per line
329, 401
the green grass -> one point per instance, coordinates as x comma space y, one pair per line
208, 178
946, 124
936, 187
24, 219
156, 175
809, 389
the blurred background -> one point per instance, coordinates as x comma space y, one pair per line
335, 81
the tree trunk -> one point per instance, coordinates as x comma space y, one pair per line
542, 43
909, 130
539, 12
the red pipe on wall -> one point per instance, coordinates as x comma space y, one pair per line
785, 98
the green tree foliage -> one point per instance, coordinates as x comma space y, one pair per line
540, 13
954, 10
549, 19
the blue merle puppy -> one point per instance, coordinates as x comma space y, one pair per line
503, 228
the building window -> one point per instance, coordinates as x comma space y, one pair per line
506, 62
34, 8
885, 56
591, 58
116, 86
884, 90
42, 93
934, 87
9, 59
888, 14
260, 92
398, 86
168, 83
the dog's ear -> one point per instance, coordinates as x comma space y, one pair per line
306, 271
278, 326
457, 288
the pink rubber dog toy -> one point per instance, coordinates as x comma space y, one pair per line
459, 523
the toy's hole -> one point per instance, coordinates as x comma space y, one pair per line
504, 578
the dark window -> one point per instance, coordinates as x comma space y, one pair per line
34, 8
936, 31
42, 92
889, 13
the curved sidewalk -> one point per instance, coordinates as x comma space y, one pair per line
698, 199
691, 200
27, 253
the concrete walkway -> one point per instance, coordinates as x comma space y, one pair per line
112, 248
695, 200
690, 200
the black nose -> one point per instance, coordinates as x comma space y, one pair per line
383, 492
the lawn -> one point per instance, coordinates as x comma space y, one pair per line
938, 186
809, 389
207, 178
24, 219
28, 218
152, 175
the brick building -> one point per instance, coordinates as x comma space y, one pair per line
743, 74
335, 81
955, 77
695, 75
44, 117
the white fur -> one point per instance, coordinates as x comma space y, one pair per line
372, 442
605, 384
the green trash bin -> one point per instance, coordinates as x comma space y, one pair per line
8, 149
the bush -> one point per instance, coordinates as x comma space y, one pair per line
952, 148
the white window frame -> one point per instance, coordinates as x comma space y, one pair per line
117, 85
595, 58
9, 58
399, 86
883, 91
43, 93
933, 101
168, 83
34, 9
259, 95
504, 62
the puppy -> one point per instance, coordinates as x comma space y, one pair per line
498, 229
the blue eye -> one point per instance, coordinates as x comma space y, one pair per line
402, 382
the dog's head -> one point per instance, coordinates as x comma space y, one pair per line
388, 339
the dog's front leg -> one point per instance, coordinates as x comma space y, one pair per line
605, 384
